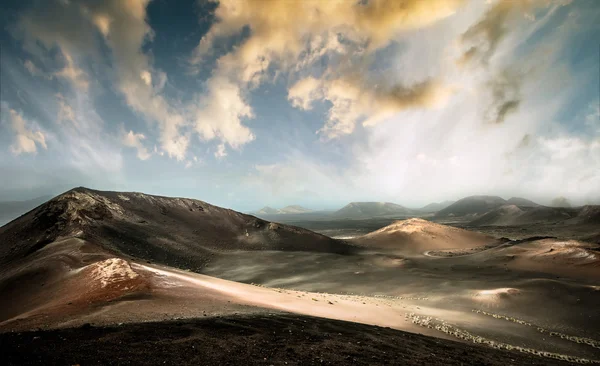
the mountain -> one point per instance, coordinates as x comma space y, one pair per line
418, 235
267, 211
178, 232
12, 209
294, 209
436, 206
471, 206
355, 210
523, 202
512, 215
586, 215
287, 210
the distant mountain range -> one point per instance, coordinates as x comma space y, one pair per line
373, 209
287, 210
473, 205
478, 210
436, 206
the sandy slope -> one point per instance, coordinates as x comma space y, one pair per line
114, 290
418, 235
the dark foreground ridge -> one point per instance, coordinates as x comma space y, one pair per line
276, 339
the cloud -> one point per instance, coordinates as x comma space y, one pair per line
220, 153
484, 37
354, 99
33, 70
296, 34
65, 111
27, 138
74, 28
219, 114
505, 90
134, 140
482, 41
72, 73
279, 28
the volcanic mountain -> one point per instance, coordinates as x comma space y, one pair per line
523, 202
508, 215
287, 210
471, 206
179, 232
267, 211
436, 206
356, 210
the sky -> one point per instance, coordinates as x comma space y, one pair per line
248, 103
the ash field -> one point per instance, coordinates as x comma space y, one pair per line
90, 271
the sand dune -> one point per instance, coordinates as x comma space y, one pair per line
418, 235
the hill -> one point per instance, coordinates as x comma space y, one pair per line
418, 235
512, 215
178, 232
287, 210
436, 206
294, 209
356, 210
471, 206
267, 211
518, 201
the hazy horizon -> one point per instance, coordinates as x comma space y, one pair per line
315, 104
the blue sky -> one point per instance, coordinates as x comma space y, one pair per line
250, 103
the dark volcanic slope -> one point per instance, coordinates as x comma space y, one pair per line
520, 215
436, 206
257, 340
513, 215
473, 205
174, 231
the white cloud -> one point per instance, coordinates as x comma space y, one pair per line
134, 140
65, 111
221, 152
72, 73
27, 137
353, 101
219, 115
294, 35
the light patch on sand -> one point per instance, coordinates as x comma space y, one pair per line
498, 291
111, 271
570, 249
123, 197
406, 226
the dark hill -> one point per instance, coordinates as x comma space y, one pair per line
178, 232
512, 215
356, 210
473, 205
